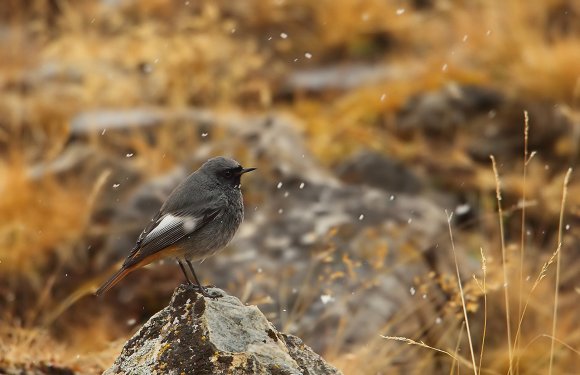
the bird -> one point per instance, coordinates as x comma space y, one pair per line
198, 219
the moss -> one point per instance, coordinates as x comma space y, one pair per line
164, 348
277, 370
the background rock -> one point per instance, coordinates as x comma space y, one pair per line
377, 170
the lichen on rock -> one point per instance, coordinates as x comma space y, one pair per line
199, 335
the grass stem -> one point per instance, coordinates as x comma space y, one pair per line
504, 264
558, 261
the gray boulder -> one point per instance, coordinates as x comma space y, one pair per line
198, 335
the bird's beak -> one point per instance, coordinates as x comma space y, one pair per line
246, 170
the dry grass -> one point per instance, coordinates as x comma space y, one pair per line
40, 218
519, 360
462, 295
504, 265
26, 348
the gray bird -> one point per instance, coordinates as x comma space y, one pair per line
199, 218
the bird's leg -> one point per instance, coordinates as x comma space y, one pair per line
184, 272
202, 290
197, 286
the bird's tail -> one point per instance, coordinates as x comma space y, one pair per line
113, 280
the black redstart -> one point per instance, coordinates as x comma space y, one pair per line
198, 219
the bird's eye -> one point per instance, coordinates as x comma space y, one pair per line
228, 174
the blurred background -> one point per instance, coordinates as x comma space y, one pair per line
370, 121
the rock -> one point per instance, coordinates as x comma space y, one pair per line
442, 111
378, 171
343, 77
199, 335
501, 132
495, 121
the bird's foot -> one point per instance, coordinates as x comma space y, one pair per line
203, 290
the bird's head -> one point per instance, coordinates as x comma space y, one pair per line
226, 171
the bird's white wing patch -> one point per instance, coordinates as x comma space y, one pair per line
170, 223
189, 223
166, 224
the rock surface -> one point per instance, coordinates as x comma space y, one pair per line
198, 335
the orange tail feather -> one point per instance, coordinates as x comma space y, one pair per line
132, 263
113, 280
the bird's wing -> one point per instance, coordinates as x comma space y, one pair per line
166, 229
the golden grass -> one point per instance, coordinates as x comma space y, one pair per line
558, 268
36, 346
518, 360
40, 218
462, 295
25, 345
483, 287
504, 264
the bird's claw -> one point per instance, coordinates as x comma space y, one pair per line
203, 290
